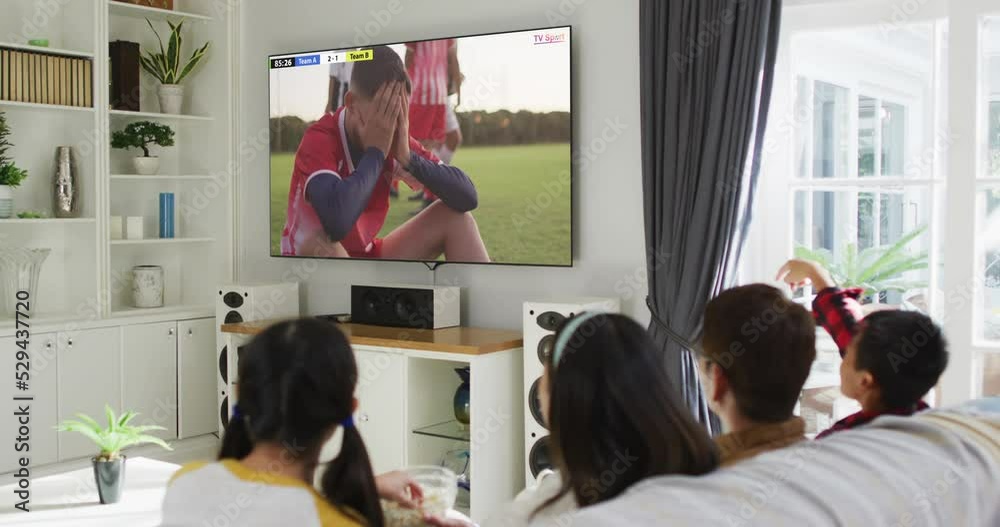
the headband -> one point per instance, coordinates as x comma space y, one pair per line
571, 327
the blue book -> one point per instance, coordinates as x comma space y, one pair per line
166, 215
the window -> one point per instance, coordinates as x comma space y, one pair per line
988, 215
858, 196
858, 148
864, 156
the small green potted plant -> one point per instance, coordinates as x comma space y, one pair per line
166, 66
141, 135
10, 175
109, 464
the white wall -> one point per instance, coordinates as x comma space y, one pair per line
608, 189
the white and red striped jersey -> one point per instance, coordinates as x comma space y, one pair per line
429, 71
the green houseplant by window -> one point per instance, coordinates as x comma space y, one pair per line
109, 464
142, 135
876, 269
10, 175
167, 68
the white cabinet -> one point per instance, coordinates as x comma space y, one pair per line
149, 375
43, 389
89, 378
44, 409
380, 417
196, 380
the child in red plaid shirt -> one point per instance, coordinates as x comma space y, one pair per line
891, 358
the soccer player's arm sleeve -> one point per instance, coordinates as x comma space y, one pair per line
340, 202
448, 183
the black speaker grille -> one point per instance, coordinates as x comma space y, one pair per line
223, 364
395, 307
550, 320
538, 458
233, 299
234, 317
545, 347
535, 404
224, 412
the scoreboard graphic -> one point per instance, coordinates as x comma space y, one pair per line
320, 58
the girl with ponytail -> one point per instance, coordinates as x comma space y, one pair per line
295, 389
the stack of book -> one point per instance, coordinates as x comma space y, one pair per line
45, 78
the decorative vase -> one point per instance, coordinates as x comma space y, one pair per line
146, 166
110, 478
171, 98
147, 286
19, 271
6, 201
66, 203
461, 401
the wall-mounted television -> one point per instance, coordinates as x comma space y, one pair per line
484, 176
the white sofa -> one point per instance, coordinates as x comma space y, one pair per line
941, 468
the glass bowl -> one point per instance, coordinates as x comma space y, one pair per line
440, 486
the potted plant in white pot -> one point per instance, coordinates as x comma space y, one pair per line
10, 175
167, 68
109, 464
141, 135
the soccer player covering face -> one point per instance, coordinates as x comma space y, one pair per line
345, 165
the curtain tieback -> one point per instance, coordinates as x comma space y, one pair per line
676, 337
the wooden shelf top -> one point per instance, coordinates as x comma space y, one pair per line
464, 340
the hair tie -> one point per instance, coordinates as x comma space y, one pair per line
348, 423
571, 327
237, 414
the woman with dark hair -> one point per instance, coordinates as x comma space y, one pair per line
614, 417
296, 388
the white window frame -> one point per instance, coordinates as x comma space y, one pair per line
957, 159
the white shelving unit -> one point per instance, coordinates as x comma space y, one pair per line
168, 177
86, 279
159, 116
162, 241
153, 13
46, 107
57, 51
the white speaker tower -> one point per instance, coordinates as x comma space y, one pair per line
246, 303
541, 320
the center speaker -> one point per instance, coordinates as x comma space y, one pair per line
406, 306
541, 321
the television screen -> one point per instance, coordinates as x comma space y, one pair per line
448, 150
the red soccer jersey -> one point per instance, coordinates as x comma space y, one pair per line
324, 150
429, 71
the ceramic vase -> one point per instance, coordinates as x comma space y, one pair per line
66, 202
461, 401
171, 98
147, 286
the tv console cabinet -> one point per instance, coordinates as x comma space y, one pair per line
406, 383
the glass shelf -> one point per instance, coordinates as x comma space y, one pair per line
446, 430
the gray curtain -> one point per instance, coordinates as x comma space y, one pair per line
706, 73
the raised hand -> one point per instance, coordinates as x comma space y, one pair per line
380, 118
797, 273
401, 145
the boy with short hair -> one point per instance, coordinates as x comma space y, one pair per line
758, 349
891, 359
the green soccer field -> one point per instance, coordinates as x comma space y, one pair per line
524, 211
